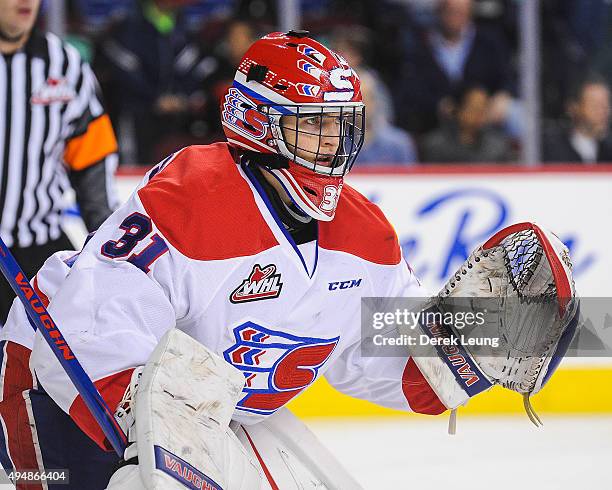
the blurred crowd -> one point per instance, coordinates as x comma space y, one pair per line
439, 77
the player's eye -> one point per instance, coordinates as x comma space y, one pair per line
312, 120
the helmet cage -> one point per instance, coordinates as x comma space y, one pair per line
350, 134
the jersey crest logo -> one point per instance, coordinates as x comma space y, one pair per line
276, 365
262, 283
54, 90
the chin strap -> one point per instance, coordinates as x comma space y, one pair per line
270, 160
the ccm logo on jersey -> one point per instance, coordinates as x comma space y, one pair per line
262, 283
276, 365
351, 283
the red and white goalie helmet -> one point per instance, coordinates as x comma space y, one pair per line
295, 98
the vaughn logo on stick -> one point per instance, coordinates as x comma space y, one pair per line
37, 306
262, 283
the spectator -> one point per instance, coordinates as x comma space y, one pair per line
454, 53
156, 77
384, 142
53, 129
354, 44
220, 69
467, 137
393, 30
587, 138
259, 11
564, 50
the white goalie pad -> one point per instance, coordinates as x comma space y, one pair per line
179, 419
183, 407
291, 456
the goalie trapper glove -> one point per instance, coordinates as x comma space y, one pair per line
522, 277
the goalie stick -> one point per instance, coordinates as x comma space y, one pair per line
41, 320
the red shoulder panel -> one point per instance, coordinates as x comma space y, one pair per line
204, 208
360, 228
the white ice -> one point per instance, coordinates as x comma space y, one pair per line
568, 453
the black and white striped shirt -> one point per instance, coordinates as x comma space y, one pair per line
53, 133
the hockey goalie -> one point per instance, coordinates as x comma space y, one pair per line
205, 303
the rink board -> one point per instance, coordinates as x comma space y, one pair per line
572, 390
441, 214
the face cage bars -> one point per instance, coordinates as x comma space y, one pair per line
351, 133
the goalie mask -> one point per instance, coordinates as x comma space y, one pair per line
299, 102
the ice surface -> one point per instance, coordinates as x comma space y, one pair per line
487, 453
568, 453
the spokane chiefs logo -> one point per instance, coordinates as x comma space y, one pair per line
262, 283
240, 113
276, 365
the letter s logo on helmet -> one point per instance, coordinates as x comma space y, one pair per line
244, 117
293, 97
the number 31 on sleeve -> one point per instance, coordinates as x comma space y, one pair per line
136, 228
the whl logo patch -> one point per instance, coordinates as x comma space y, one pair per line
262, 283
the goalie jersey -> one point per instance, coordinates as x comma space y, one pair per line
199, 247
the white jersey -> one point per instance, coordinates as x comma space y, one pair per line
198, 247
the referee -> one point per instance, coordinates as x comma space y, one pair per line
53, 133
